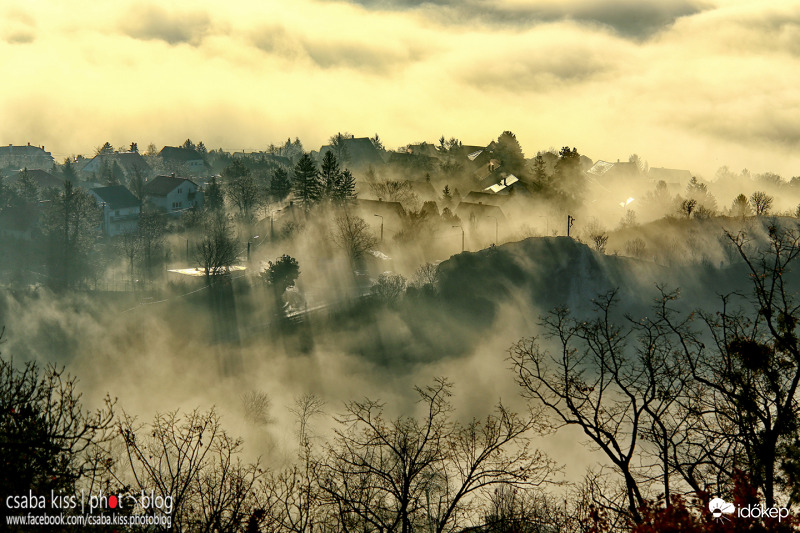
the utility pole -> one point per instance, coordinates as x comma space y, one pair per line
570, 222
381, 227
462, 236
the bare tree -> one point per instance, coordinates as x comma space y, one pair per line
217, 250
71, 221
395, 191
47, 439
293, 496
426, 277
762, 202
338, 145
412, 473
586, 382
131, 246
353, 235
635, 247
389, 288
687, 207
243, 192
151, 230
683, 401
597, 235
193, 462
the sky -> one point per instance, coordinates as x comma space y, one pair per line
684, 84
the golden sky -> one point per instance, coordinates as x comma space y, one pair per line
685, 84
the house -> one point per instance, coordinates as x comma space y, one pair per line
502, 185
613, 170
411, 163
187, 158
172, 194
377, 212
469, 212
424, 190
120, 209
129, 163
488, 198
359, 152
30, 157
671, 176
43, 180
423, 148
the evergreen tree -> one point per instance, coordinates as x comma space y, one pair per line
377, 143
346, 189
27, 189
539, 170
569, 179
280, 185
105, 149
509, 151
330, 175
306, 181
235, 170
68, 171
213, 196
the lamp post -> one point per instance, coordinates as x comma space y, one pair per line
496, 240
381, 216
462, 235
248, 246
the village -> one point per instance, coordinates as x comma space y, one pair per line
420, 203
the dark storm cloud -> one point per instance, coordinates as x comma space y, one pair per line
155, 23
630, 18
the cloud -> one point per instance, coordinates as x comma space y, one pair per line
17, 26
545, 59
630, 18
329, 52
153, 22
707, 85
22, 37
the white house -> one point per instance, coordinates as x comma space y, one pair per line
120, 209
172, 194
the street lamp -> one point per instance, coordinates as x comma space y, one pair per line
248, 246
381, 227
462, 235
496, 240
